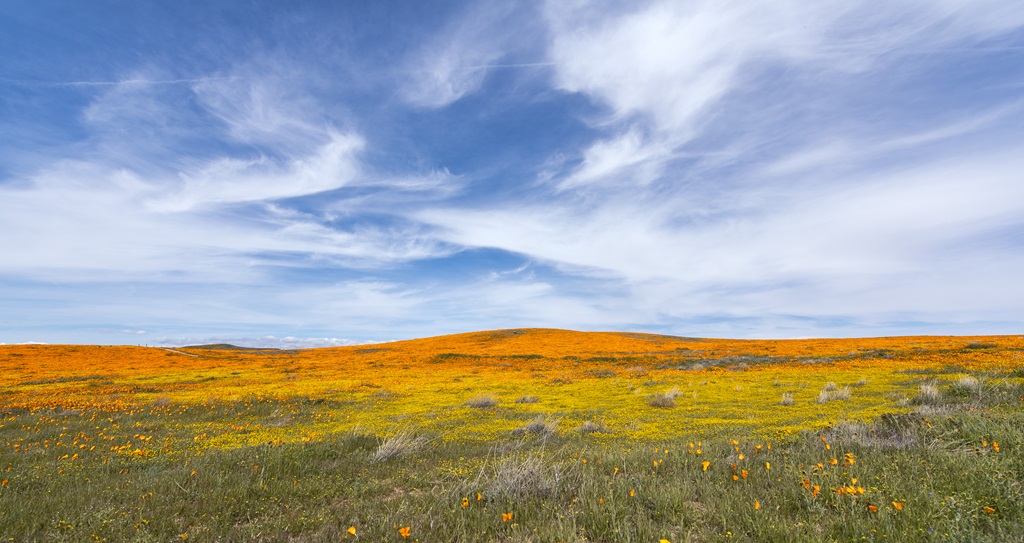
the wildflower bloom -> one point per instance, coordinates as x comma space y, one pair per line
632, 492
988, 510
995, 446
352, 530
479, 496
873, 508
743, 474
806, 483
465, 503
815, 490
768, 466
3, 483
404, 532
757, 505
704, 465
505, 517
898, 505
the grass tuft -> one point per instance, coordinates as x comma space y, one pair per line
398, 446
483, 401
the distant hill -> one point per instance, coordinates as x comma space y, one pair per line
227, 347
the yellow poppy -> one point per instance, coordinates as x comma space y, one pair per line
465, 503
352, 530
704, 465
757, 505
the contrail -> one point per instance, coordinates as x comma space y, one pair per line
72, 84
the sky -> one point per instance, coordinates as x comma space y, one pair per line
297, 174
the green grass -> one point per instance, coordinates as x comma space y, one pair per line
560, 486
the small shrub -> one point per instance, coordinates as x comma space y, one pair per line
829, 386
483, 401
665, 400
527, 399
599, 374
594, 427
637, 371
787, 399
539, 426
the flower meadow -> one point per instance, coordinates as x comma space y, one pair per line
517, 435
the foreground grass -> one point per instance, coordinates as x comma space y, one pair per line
938, 459
955, 475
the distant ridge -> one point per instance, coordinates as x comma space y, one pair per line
227, 347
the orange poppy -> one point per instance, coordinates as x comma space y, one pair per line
404, 532
505, 517
898, 505
352, 530
704, 465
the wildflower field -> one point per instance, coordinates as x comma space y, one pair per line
517, 435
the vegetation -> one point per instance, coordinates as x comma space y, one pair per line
393, 443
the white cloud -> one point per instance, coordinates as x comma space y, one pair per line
229, 180
454, 62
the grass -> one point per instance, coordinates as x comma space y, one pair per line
192, 463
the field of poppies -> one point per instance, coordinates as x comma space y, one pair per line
517, 435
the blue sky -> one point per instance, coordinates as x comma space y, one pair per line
327, 173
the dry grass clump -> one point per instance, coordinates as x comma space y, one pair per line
787, 399
594, 427
830, 393
929, 394
483, 401
397, 446
539, 426
527, 399
523, 477
665, 400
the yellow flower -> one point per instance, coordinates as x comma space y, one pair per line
664, 541
743, 473
352, 530
479, 496
465, 503
704, 465
741, 457
988, 510
898, 505
834, 461
600, 501
995, 446
757, 505
814, 490
632, 492
768, 465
